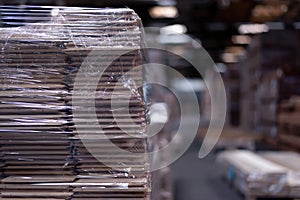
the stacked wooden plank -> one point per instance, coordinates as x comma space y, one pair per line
254, 175
291, 161
270, 174
47, 151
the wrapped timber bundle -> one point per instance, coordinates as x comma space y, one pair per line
290, 160
254, 175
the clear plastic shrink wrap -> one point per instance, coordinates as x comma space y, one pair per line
42, 153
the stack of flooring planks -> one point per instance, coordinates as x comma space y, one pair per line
252, 174
291, 161
48, 152
267, 174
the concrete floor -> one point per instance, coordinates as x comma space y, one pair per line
199, 179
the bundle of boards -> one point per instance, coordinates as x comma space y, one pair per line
269, 174
45, 148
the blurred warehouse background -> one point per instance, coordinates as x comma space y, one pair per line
256, 47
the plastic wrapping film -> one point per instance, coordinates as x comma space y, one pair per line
252, 174
42, 154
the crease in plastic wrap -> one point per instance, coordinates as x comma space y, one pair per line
252, 174
42, 153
